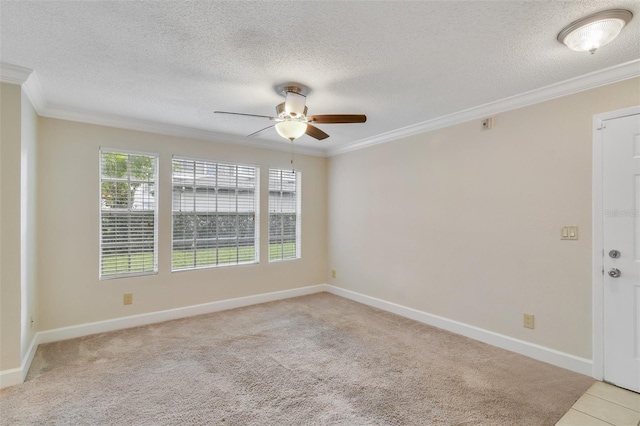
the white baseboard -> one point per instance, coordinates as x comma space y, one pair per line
532, 350
10, 377
81, 330
15, 376
28, 358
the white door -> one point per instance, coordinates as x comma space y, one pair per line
621, 243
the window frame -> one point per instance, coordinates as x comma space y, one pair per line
256, 212
298, 213
156, 162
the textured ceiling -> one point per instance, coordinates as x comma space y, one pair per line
401, 63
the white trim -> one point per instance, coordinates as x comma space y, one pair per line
28, 358
10, 377
598, 230
26, 78
532, 350
19, 75
34, 92
15, 376
14, 74
130, 123
81, 330
574, 85
597, 262
619, 113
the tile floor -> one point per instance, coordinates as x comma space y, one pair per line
603, 405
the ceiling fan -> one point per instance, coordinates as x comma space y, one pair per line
291, 117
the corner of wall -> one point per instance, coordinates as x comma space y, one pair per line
28, 223
15, 376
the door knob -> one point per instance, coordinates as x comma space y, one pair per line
614, 272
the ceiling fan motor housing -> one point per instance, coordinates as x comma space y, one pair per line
283, 89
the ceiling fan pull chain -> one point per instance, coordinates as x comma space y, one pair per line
292, 168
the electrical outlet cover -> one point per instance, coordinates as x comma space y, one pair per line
529, 321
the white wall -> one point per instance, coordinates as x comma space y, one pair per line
70, 292
465, 224
28, 224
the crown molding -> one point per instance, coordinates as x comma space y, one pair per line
574, 85
34, 92
26, 78
31, 85
122, 122
14, 74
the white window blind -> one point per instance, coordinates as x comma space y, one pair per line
284, 214
128, 214
215, 214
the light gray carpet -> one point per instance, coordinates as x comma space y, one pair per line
313, 360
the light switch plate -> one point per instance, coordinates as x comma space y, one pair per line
569, 233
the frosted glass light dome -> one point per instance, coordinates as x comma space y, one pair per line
594, 31
291, 129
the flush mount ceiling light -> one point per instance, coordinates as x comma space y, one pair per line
594, 31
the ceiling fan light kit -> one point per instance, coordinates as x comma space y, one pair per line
291, 117
294, 104
594, 31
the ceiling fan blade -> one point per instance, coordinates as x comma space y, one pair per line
246, 115
316, 133
338, 118
255, 133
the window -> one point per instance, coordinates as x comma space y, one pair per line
215, 214
284, 214
128, 214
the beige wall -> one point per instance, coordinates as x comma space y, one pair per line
10, 279
465, 223
70, 292
457, 222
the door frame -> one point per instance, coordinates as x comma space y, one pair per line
598, 247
